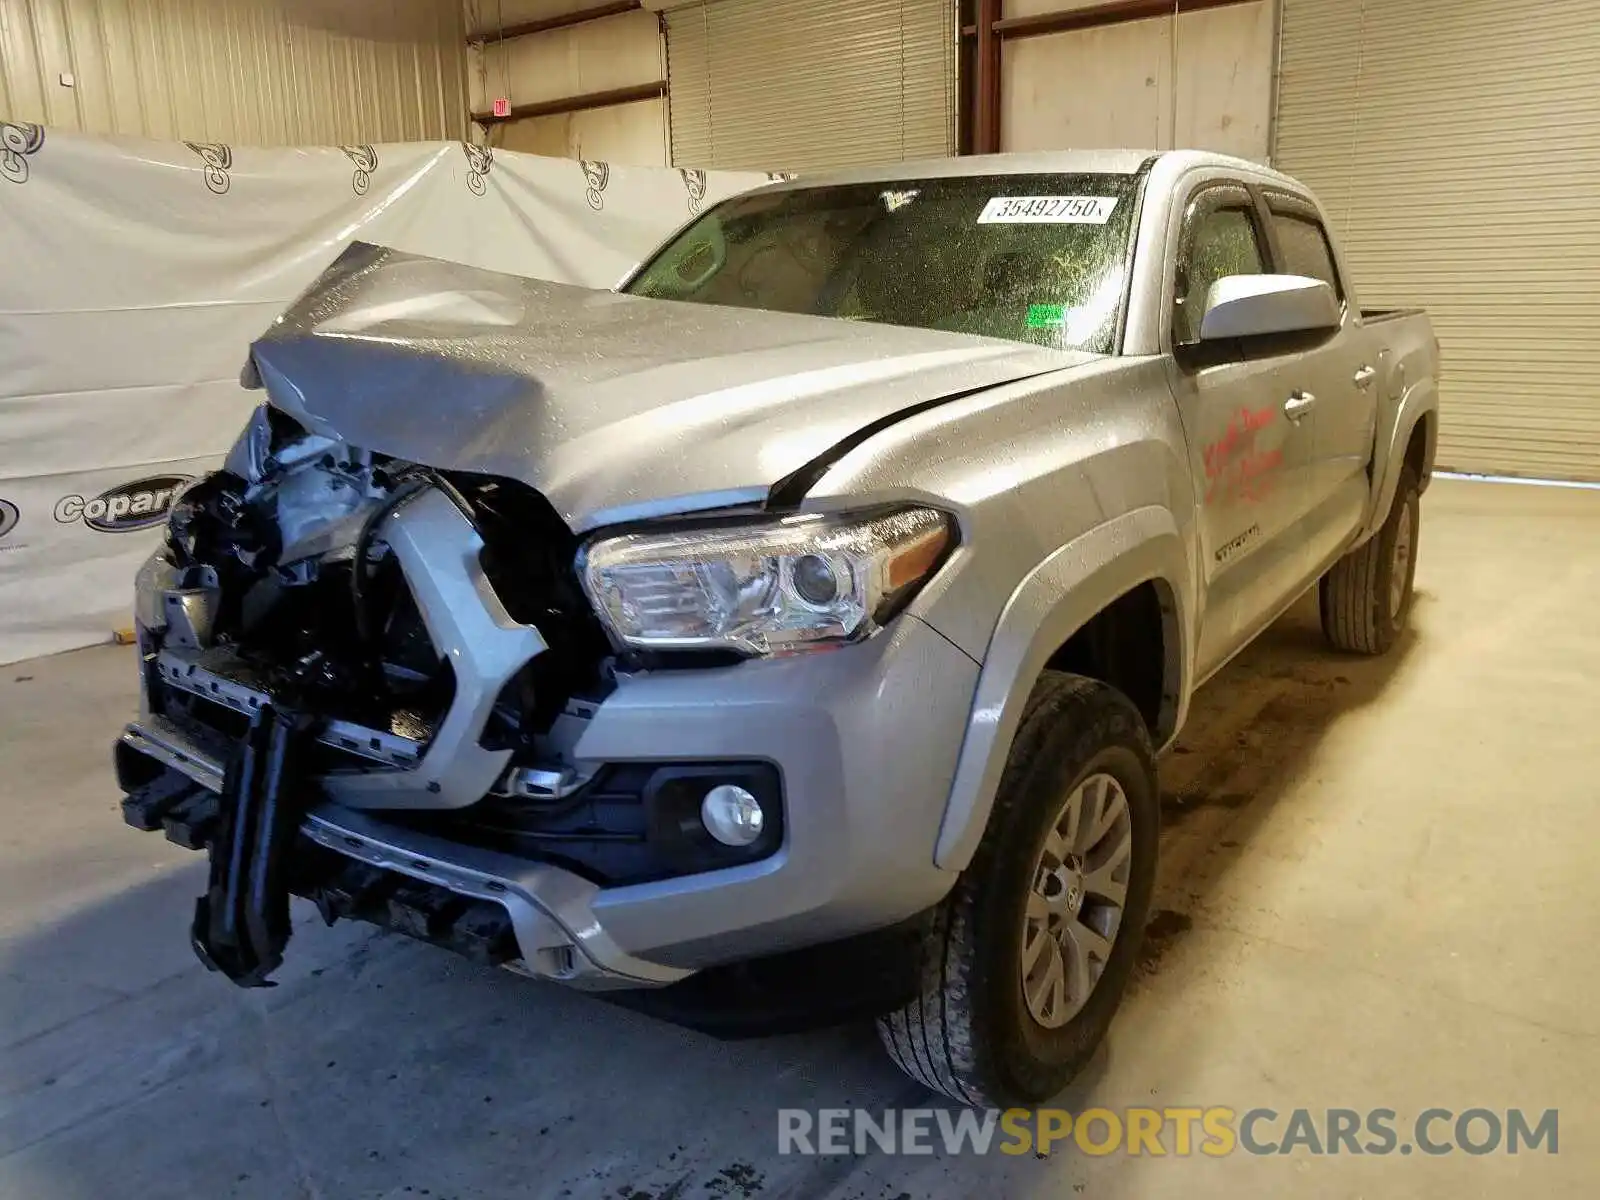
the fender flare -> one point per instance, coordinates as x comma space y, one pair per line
1416, 404
1054, 601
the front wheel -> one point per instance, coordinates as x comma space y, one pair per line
1025, 963
1365, 597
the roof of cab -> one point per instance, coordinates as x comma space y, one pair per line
1040, 162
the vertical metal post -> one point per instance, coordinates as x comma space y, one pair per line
1277, 83
987, 132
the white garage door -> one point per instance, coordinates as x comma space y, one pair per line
1456, 144
805, 84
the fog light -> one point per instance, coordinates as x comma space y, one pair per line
731, 815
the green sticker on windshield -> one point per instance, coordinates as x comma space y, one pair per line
1042, 316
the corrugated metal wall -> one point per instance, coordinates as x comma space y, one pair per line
596, 56
632, 134
556, 65
253, 72
1218, 60
1456, 146
805, 84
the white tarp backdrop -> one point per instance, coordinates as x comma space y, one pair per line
134, 275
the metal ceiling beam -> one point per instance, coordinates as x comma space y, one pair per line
568, 104
581, 16
1115, 12
989, 30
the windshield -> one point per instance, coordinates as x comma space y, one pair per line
1034, 258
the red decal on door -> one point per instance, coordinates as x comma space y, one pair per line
1234, 468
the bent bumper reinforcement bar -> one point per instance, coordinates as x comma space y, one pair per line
241, 925
551, 909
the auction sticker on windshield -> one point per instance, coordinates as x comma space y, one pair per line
1047, 210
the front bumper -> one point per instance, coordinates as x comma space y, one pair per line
865, 739
551, 921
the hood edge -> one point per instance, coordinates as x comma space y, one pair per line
789, 491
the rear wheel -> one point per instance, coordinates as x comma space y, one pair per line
1025, 963
1366, 596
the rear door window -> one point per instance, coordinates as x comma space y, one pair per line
1303, 243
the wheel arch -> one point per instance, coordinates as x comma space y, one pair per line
1421, 446
1092, 607
1413, 441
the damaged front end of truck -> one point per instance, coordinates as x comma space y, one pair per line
364, 677
334, 625
373, 677
364, 681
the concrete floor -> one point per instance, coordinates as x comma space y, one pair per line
1379, 890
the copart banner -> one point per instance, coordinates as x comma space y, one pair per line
136, 274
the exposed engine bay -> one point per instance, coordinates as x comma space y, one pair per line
296, 583
291, 639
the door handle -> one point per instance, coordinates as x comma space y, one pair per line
1298, 405
1365, 376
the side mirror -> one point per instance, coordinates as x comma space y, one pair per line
1251, 306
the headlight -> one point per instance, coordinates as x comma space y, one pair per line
795, 585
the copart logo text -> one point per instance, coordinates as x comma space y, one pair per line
129, 506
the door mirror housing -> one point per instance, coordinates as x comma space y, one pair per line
1246, 307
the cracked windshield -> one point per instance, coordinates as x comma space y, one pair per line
1033, 258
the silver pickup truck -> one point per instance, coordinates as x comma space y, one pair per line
790, 633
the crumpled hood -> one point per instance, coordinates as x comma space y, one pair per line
614, 407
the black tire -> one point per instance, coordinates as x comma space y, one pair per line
970, 1034
1356, 595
